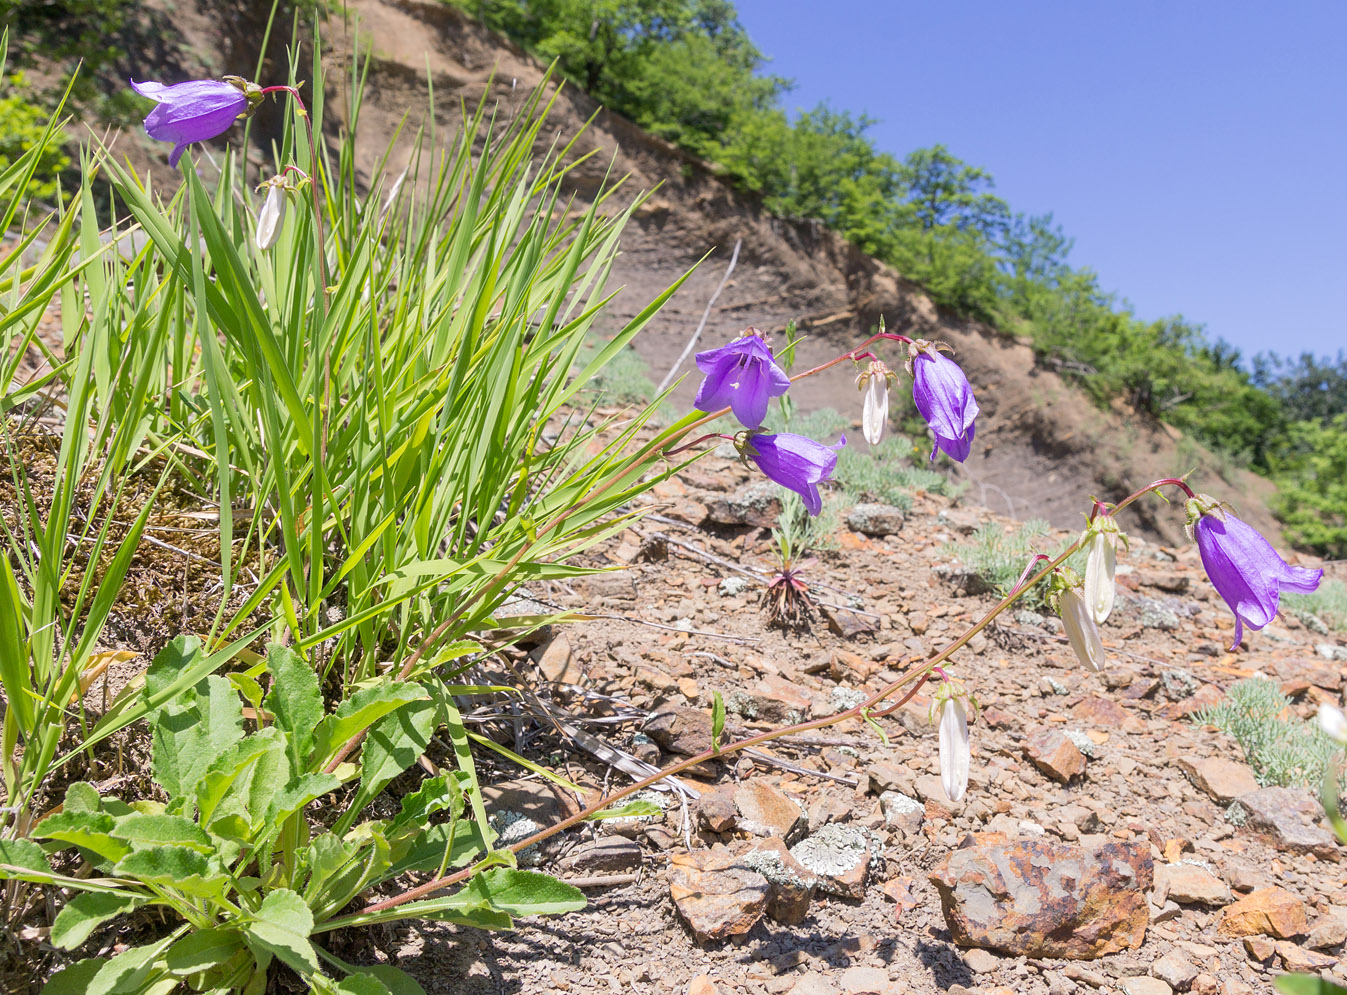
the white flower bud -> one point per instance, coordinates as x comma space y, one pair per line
1334, 722
1081, 631
954, 754
875, 408
1100, 563
272, 216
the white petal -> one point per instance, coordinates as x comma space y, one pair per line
1334, 722
271, 218
1081, 631
1100, 564
875, 409
954, 748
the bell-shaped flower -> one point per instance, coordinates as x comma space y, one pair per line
272, 216
1243, 567
954, 747
743, 376
944, 398
194, 111
1081, 630
1101, 560
1333, 722
796, 463
875, 405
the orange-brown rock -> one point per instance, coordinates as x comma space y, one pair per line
1039, 899
1273, 911
716, 893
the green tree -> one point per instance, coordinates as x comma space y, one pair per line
1310, 467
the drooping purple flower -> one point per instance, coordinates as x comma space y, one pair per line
195, 111
742, 375
944, 399
1244, 568
795, 462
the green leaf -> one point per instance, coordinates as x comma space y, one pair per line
631, 810
203, 949
173, 867
91, 831
167, 830
360, 984
18, 856
297, 794
717, 721
522, 893
362, 865
1305, 984
191, 733
129, 972
244, 779
295, 701
357, 713
83, 913
392, 745
282, 929
436, 794
81, 796
75, 979
396, 981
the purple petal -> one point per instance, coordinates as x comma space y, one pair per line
742, 375
945, 399
796, 463
1246, 571
188, 112
750, 400
715, 391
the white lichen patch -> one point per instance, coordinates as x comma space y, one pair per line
1083, 742
835, 849
514, 827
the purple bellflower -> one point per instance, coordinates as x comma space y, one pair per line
1244, 568
794, 462
742, 375
944, 399
194, 111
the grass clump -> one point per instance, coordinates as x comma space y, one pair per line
997, 558
1328, 605
1281, 749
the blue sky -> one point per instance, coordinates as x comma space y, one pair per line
1196, 151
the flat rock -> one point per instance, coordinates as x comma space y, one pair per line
1039, 899
1191, 884
1143, 985
765, 810
757, 504
716, 893
1055, 755
772, 699
1175, 970
681, 730
1288, 818
839, 855
606, 855
902, 811
873, 519
981, 961
1270, 911
716, 810
792, 884
1297, 958
1224, 780
1099, 711
1329, 930
860, 980
814, 983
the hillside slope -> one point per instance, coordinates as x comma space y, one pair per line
1035, 427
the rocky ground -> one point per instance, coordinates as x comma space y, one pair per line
1095, 850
